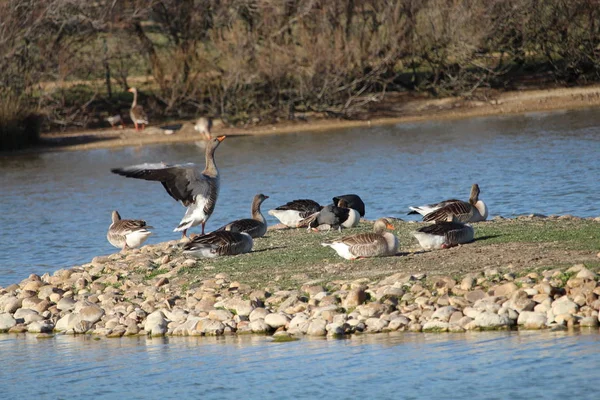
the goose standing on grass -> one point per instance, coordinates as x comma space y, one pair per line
137, 113
203, 126
444, 234
221, 243
333, 216
255, 226
474, 210
127, 233
353, 201
195, 189
373, 244
291, 213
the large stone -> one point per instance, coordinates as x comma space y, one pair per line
238, 306
443, 313
355, 298
505, 290
66, 322
258, 326
297, 321
489, 320
156, 324
220, 315
66, 304
475, 295
27, 315
317, 327
371, 310
6, 322
40, 327
276, 320
258, 313
91, 313
435, 326
520, 301
376, 324
532, 320
210, 327
564, 305
12, 304
398, 322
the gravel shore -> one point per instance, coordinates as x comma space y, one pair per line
127, 294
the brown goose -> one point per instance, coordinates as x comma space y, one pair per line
291, 213
127, 233
459, 211
197, 190
444, 234
203, 126
374, 244
255, 226
221, 243
137, 113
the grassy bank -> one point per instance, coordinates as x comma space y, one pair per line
286, 259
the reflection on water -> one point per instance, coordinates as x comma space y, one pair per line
56, 206
516, 365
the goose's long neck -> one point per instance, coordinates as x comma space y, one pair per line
134, 99
211, 166
474, 198
256, 213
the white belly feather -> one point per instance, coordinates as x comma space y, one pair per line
287, 217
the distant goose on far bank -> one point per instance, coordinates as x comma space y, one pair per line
196, 189
137, 113
474, 210
292, 212
372, 244
255, 226
127, 233
204, 126
218, 243
443, 235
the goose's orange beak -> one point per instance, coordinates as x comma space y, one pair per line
389, 226
221, 138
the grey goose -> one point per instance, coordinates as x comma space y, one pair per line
196, 189
255, 226
127, 233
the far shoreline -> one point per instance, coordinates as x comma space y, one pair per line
392, 110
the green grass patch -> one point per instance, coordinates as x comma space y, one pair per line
286, 259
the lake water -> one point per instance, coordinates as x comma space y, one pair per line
486, 365
55, 207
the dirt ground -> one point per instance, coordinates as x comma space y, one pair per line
395, 108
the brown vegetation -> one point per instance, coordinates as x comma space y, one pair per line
261, 60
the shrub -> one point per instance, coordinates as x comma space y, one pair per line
19, 123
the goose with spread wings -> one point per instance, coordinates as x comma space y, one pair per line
196, 189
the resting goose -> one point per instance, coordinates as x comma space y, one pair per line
459, 211
137, 113
373, 244
255, 226
291, 213
197, 190
444, 234
333, 216
170, 129
115, 120
204, 125
221, 243
353, 201
127, 233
